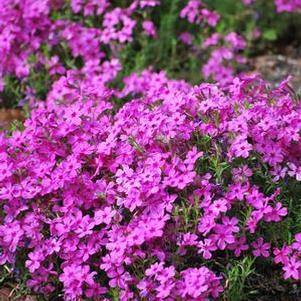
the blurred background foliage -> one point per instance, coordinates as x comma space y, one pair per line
166, 51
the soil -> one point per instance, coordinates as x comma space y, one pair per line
6, 294
276, 67
7, 116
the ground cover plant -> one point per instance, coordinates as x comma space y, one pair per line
152, 164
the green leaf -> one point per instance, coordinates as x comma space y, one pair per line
270, 34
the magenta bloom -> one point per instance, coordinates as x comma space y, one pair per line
239, 246
149, 28
261, 248
292, 269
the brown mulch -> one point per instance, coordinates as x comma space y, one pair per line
7, 295
7, 116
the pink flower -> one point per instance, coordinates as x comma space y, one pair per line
34, 261
261, 248
287, 5
295, 171
206, 248
223, 236
275, 213
154, 269
281, 255
212, 40
292, 269
242, 173
219, 206
191, 11
211, 17
149, 28
104, 216
297, 244
239, 246
240, 147
186, 38
248, 2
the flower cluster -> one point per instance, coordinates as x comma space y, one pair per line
131, 201
282, 5
145, 190
195, 12
36, 33
23, 25
288, 6
289, 257
224, 51
220, 65
58, 35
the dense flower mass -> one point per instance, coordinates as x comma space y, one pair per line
143, 190
95, 197
36, 34
30, 31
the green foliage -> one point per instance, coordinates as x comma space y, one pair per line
4, 274
114, 294
7, 279
237, 275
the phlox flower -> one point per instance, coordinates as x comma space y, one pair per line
292, 269
239, 246
281, 255
206, 248
261, 248
297, 244
294, 171
222, 236
149, 28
